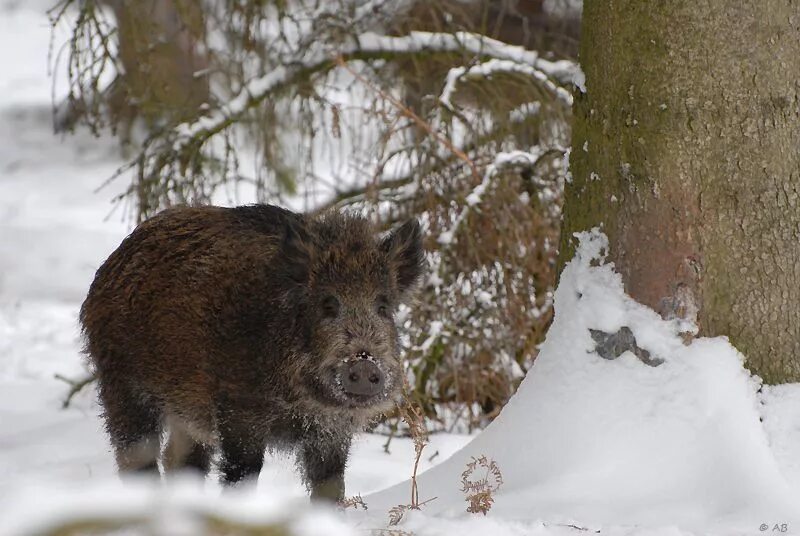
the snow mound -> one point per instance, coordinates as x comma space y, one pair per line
593, 441
781, 415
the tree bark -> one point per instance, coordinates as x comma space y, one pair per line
686, 150
161, 44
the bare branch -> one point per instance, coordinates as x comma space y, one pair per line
75, 386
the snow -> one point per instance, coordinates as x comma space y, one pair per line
579, 80
477, 44
524, 111
781, 414
182, 507
598, 443
55, 230
26, 86
587, 445
434, 332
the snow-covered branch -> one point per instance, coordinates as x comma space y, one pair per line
503, 161
493, 67
472, 43
374, 46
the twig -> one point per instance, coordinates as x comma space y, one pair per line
75, 387
573, 526
392, 431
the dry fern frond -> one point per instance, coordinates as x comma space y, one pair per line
479, 491
396, 513
480, 502
354, 502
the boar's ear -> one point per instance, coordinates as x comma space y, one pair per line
297, 251
404, 249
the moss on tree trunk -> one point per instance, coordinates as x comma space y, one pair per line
686, 150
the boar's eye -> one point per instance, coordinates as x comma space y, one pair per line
330, 306
383, 306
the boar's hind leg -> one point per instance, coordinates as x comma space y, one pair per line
183, 452
322, 461
134, 427
199, 458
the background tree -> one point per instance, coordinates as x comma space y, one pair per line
439, 109
685, 152
157, 50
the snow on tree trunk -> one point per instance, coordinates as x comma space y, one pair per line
685, 150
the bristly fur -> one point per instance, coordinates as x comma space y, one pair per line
227, 325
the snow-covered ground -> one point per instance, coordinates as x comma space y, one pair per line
55, 230
588, 446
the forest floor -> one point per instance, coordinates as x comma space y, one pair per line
588, 446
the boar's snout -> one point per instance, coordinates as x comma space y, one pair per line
361, 376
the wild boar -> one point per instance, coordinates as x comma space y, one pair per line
236, 330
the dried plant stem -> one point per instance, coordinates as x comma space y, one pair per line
414, 490
416, 426
392, 432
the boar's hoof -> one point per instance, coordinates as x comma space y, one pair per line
362, 377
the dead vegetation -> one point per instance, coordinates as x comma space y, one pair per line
415, 420
480, 490
355, 502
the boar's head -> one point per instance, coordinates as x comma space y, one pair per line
350, 283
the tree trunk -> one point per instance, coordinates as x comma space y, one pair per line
686, 150
161, 45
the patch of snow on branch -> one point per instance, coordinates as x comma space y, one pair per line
473, 43
579, 79
524, 111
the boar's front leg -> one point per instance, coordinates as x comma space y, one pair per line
322, 460
241, 450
